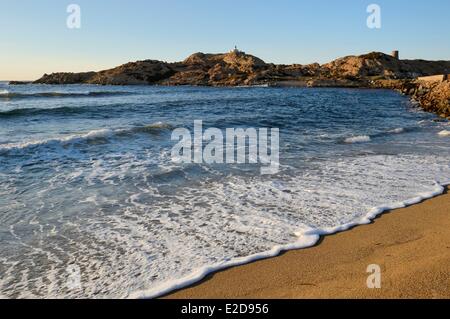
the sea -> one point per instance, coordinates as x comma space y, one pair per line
92, 204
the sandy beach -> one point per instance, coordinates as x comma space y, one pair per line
411, 245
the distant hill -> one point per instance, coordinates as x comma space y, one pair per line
238, 68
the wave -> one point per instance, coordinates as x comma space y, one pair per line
88, 137
368, 138
96, 109
397, 130
358, 139
41, 111
307, 237
5, 94
65, 110
266, 85
444, 133
155, 127
66, 140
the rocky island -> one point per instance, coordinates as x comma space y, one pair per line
416, 78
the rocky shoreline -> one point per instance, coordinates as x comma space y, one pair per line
432, 96
236, 68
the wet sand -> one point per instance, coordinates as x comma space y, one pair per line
411, 246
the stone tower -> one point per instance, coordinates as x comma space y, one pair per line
395, 54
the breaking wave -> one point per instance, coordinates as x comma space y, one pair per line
397, 130
369, 138
358, 139
88, 137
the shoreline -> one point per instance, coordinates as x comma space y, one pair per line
410, 244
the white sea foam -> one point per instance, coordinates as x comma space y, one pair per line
239, 215
254, 86
150, 243
304, 240
444, 133
358, 139
307, 237
397, 130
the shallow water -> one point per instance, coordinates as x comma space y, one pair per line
86, 179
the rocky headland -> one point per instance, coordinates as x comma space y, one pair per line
236, 68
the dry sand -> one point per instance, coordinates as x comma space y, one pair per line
411, 245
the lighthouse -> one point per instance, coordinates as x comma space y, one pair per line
395, 54
236, 50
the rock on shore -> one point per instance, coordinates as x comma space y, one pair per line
432, 96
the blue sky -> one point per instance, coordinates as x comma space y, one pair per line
36, 40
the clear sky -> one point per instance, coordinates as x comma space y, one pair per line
35, 38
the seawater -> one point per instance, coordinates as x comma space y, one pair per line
87, 180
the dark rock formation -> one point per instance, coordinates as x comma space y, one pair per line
238, 68
380, 65
133, 73
19, 82
432, 96
234, 68
65, 78
231, 69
